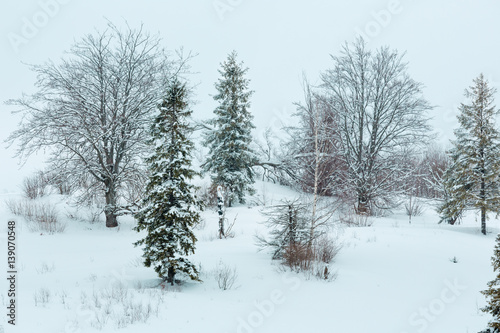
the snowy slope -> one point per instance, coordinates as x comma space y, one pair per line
391, 277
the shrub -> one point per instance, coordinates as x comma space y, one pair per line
35, 186
352, 219
41, 217
414, 207
225, 275
59, 182
298, 257
207, 194
326, 249
45, 219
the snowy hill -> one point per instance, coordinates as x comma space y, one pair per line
390, 277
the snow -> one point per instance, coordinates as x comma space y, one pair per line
391, 277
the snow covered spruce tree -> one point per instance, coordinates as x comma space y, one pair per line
91, 113
170, 210
472, 179
231, 158
493, 292
381, 114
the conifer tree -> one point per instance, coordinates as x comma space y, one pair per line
493, 292
230, 157
472, 179
170, 210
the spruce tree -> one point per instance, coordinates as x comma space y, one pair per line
493, 292
472, 180
169, 211
231, 158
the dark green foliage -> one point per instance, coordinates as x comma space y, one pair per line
472, 179
230, 158
170, 211
493, 292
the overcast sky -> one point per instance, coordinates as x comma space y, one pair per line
447, 44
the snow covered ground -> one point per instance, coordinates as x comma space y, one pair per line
391, 277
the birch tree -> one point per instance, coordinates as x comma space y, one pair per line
317, 158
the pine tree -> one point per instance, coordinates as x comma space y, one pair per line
493, 291
230, 157
472, 180
170, 210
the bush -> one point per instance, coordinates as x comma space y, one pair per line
225, 275
301, 257
207, 194
326, 249
35, 186
45, 219
59, 182
298, 257
414, 207
352, 219
41, 217
41, 296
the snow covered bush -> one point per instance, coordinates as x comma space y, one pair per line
351, 219
42, 296
300, 244
45, 219
35, 186
40, 216
225, 275
413, 207
207, 194
119, 306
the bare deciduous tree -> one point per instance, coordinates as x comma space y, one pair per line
381, 112
92, 111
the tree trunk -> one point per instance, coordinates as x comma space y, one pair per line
483, 193
220, 210
110, 209
483, 207
483, 220
171, 275
362, 208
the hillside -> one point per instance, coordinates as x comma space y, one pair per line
390, 277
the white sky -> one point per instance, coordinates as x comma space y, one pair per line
447, 44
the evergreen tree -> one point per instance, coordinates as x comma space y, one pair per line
230, 158
493, 291
472, 180
170, 210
